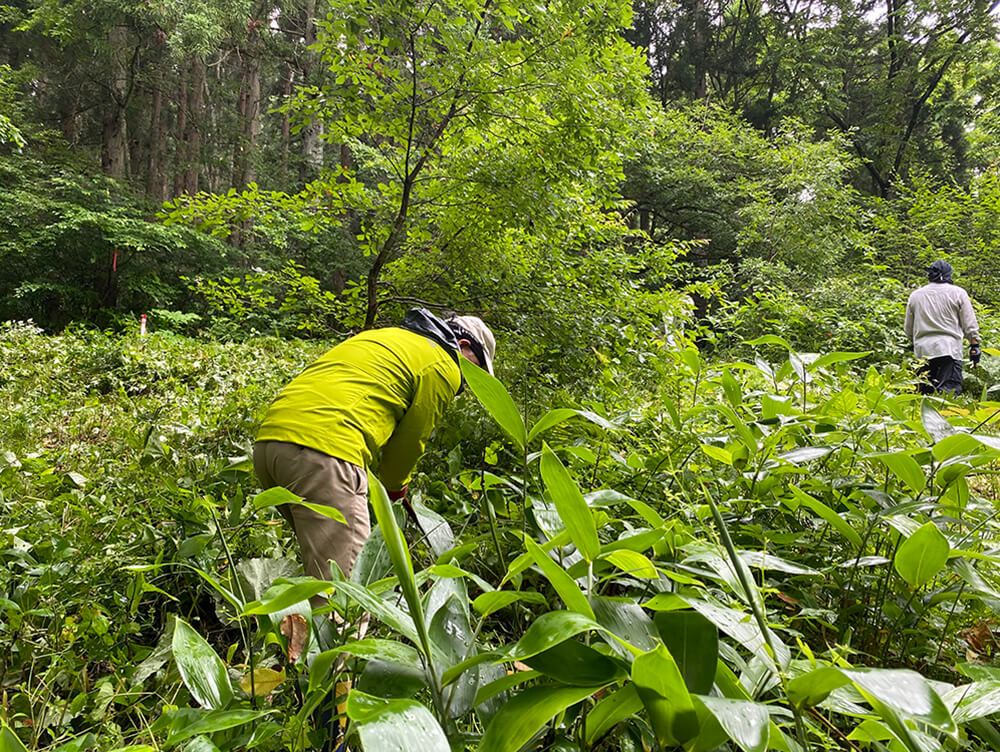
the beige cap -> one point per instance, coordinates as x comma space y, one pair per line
482, 334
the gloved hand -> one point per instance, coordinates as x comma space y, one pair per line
397, 495
975, 353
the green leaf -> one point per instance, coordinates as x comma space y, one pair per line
610, 711
495, 600
921, 556
813, 687
550, 419
905, 691
9, 741
548, 630
204, 674
770, 339
526, 714
661, 687
570, 505
935, 424
747, 723
970, 701
632, 563
277, 495
273, 497
838, 357
563, 584
399, 553
572, 662
693, 641
904, 467
832, 518
801, 455
184, 723
497, 401
285, 593
400, 724
388, 613
389, 650
718, 454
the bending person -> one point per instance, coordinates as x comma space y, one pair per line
379, 392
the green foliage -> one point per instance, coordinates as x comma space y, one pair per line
75, 247
703, 174
756, 554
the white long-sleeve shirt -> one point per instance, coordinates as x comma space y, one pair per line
937, 315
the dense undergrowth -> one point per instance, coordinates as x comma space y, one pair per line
772, 551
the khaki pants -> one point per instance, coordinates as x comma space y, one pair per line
319, 479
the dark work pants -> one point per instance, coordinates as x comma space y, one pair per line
942, 374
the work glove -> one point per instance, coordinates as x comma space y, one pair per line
397, 495
975, 353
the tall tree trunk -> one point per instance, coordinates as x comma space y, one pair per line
248, 110
195, 115
312, 142
701, 50
156, 181
181, 150
286, 124
113, 144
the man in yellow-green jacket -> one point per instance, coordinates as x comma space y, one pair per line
378, 393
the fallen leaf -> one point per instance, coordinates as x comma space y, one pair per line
265, 681
294, 627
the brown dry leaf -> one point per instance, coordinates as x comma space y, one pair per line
294, 627
980, 637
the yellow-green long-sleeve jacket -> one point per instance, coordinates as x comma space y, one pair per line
379, 390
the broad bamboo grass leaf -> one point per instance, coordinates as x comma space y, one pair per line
826, 514
390, 650
9, 741
402, 565
504, 683
277, 495
693, 641
921, 556
632, 563
661, 687
204, 674
493, 601
610, 711
198, 744
564, 585
971, 701
285, 593
748, 724
936, 425
386, 612
770, 339
840, 356
497, 401
742, 628
399, 724
574, 663
905, 468
185, 723
892, 692
549, 420
526, 714
548, 630
570, 505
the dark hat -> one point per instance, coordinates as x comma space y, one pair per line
939, 271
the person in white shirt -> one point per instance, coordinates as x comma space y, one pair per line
938, 315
